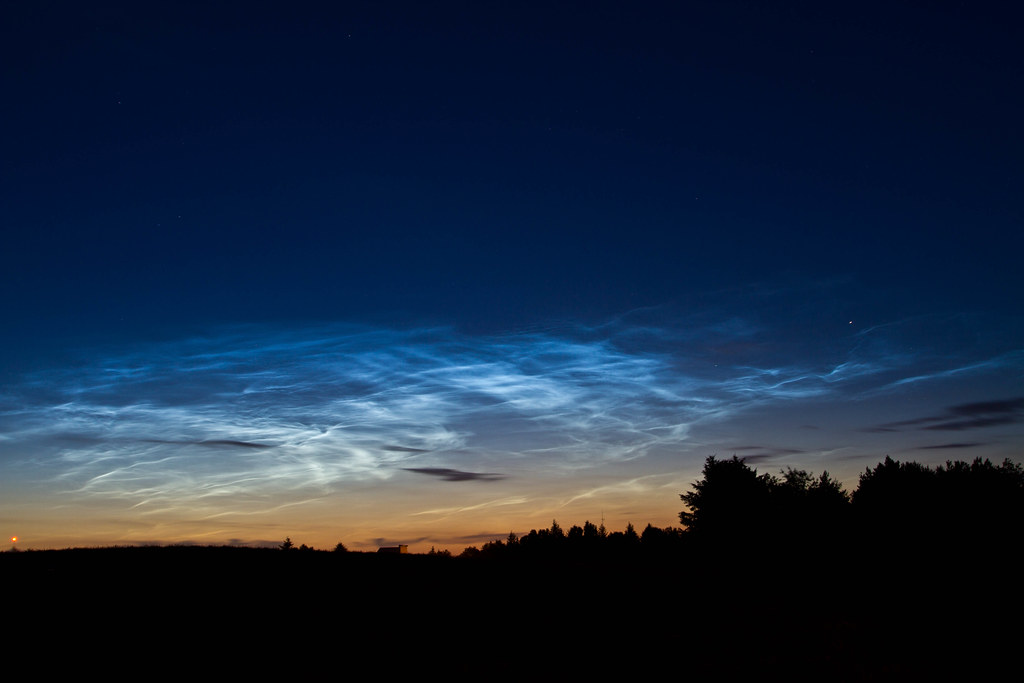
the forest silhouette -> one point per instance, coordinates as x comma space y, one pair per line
912, 575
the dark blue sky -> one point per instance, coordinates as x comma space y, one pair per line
732, 191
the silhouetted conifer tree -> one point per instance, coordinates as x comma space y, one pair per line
730, 502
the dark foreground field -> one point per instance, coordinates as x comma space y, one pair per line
239, 612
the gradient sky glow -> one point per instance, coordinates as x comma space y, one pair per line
429, 274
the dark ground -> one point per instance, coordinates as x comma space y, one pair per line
238, 611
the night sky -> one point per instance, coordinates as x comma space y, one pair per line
428, 273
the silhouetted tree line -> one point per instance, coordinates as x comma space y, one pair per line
903, 506
897, 507
909, 577
587, 542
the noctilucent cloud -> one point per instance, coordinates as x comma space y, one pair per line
430, 274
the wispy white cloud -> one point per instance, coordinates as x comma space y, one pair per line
250, 413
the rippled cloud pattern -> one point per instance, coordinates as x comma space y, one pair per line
252, 416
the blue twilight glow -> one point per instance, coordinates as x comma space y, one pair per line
252, 421
427, 273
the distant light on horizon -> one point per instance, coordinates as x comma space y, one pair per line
464, 293
418, 429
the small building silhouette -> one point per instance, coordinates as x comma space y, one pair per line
402, 549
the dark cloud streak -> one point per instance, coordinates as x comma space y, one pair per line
964, 416
455, 475
213, 443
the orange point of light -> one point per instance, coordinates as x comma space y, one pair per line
14, 539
